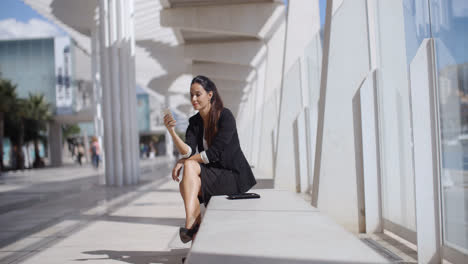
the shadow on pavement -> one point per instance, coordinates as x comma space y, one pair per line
145, 220
140, 257
70, 204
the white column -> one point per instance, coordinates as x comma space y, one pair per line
133, 102
425, 139
304, 82
259, 103
370, 131
124, 91
55, 144
86, 145
321, 104
136, 130
115, 92
370, 154
169, 146
97, 90
300, 151
252, 119
128, 6
106, 90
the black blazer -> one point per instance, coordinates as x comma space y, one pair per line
225, 151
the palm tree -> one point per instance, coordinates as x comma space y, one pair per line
17, 117
38, 113
8, 98
26, 121
70, 130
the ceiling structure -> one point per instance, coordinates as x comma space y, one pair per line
177, 39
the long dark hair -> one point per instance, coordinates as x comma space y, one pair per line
216, 106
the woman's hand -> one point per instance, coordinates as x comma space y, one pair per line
169, 121
176, 169
170, 124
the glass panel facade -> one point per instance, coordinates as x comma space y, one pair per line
30, 65
449, 25
394, 112
143, 112
88, 127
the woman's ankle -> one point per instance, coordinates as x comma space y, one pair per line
192, 222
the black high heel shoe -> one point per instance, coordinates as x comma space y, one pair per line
186, 235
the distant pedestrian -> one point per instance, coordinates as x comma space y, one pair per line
142, 150
147, 151
13, 157
81, 152
95, 152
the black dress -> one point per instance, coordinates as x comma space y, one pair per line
228, 171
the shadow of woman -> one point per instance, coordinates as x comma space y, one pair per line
140, 257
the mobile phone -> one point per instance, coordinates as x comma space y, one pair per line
166, 111
243, 196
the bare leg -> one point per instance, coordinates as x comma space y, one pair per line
190, 186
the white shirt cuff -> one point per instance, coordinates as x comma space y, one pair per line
204, 157
188, 153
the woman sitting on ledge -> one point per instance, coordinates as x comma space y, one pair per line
219, 167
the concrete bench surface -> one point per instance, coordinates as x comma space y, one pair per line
280, 227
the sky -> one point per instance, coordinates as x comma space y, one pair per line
322, 7
18, 20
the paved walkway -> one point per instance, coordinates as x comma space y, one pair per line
66, 215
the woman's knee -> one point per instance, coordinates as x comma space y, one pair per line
191, 165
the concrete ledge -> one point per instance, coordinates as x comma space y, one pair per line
280, 227
264, 180
264, 184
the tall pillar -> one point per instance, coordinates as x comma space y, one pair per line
97, 90
259, 102
55, 144
86, 145
104, 43
122, 40
252, 118
169, 146
115, 92
119, 95
132, 93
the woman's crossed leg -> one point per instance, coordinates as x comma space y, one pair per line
190, 187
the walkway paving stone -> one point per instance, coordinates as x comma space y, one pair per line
75, 218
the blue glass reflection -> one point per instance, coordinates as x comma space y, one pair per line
417, 25
322, 8
30, 65
449, 25
143, 112
449, 21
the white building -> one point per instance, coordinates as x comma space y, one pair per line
353, 119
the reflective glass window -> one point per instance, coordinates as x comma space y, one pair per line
449, 25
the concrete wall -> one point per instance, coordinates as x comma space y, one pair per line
348, 65
270, 106
301, 29
394, 101
258, 107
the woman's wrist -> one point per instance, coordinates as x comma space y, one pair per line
172, 132
196, 158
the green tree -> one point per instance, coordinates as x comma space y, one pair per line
70, 130
17, 118
8, 99
37, 114
27, 121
